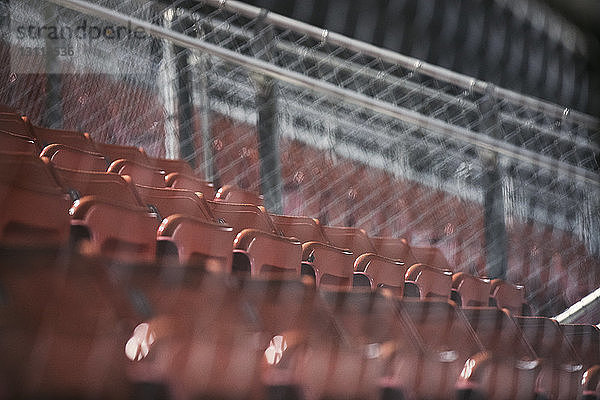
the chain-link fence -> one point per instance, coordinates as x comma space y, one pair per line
324, 126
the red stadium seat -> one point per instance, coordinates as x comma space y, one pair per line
168, 201
170, 166
232, 194
181, 181
34, 208
396, 248
198, 241
585, 339
12, 142
267, 254
69, 157
562, 368
16, 125
354, 239
140, 173
430, 256
78, 140
114, 152
382, 272
431, 281
305, 229
242, 216
509, 296
332, 266
472, 291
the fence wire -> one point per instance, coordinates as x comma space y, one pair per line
425, 170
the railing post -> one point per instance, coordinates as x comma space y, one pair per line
496, 240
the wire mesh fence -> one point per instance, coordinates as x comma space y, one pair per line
326, 127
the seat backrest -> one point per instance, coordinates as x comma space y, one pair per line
431, 256
333, 266
78, 140
354, 239
432, 282
508, 295
473, 291
382, 272
305, 229
242, 216
585, 339
396, 248
170, 165
11, 142
114, 152
177, 180
69, 157
34, 208
105, 185
269, 254
16, 125
140, 173
547, 339
233, 194
170, 201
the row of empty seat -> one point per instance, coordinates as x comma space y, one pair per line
123, 275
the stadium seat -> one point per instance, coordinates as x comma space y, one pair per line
267, 254
305, 229
562, 368
12, 142
16, 125
330, 266
65, 156
181, 181
114, 152
431, 281
430, 256
509, 296
396, 248
471, 291
115, 230
64, 326
242, 216
171, 165
34, 208
168, 201
501, 335
585, 339
140, 173
448, 337
78, 140
232, 194
197, 241
382, 272
354, 239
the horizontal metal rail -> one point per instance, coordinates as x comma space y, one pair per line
433, 71
325, 88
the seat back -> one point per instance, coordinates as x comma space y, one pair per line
15, 143
242, 216
332, 266
305, 229
233, 194
268, 254
15, 125
354, 239
114, 152
140, 173
34, 208
396, 248
65, 156
382, 272
170, 201
431, 281
78, 140
508, 295
430, 256
585, 339
472, 291
177, 180
170, 166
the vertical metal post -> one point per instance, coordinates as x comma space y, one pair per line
185, 104
53, 113
496, 241
205, 125
268, 140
